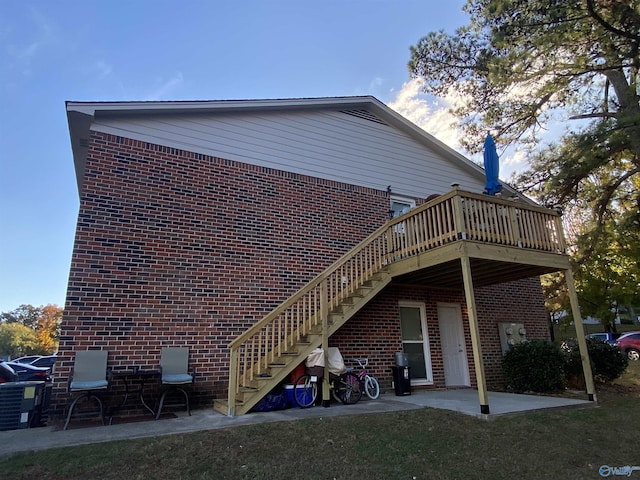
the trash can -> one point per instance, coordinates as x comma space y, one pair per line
402, 359
402, 375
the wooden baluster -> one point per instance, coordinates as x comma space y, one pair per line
299, 313
562, 246
253, 346
472, 217
273, 341
484, 221
450, 234
526, 223
258, 353
280, 335
431, 227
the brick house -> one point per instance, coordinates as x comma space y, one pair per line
250, 230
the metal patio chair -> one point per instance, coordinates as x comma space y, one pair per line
89, 377
174, 371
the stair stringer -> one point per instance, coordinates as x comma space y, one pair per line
287, 362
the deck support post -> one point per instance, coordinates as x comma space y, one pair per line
582, 342
233, 382
475, 334
324, 315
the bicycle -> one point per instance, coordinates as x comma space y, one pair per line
345, 388
305, 390
370, 385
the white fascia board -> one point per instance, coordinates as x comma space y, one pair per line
206, 106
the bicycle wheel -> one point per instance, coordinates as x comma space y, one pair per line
350, 390
371, 387
335, 390
305, 391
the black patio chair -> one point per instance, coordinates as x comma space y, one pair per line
174, 371
89, 378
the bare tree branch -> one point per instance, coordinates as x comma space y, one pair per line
596, 16
593, 115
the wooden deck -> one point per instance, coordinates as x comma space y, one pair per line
472, 239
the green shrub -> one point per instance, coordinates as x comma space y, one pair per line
607, 361
536, 365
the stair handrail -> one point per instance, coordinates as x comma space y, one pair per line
383, 229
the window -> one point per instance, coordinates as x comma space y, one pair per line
400, 206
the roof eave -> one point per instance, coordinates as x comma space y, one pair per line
81, 114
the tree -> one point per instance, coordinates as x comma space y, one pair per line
27, 315
521, 64
17, 340
42, 322
48, 327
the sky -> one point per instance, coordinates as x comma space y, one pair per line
52, 52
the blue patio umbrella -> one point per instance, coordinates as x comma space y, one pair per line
491, 167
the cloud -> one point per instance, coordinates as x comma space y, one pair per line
433, 117
513, 161
42, 35
104, 69
376, 83
165, 87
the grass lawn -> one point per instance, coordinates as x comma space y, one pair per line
419, 444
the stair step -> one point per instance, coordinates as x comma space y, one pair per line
221, 406
282, 363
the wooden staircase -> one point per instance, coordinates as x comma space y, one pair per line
301, 342
265, 355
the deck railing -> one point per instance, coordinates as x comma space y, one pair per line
457, 215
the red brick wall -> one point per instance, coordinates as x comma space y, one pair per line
375, 331
175, 248
513, 302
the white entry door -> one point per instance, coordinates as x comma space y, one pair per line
454, 348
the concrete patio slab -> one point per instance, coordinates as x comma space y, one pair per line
462, 401
466, 401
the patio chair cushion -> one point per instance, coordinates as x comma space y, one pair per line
89, 385
177, 378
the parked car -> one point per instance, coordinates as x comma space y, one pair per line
629, 343
608, 337
45, 361
7, 374
27, 359
27, 372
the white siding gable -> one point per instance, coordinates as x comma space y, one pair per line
325, 143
